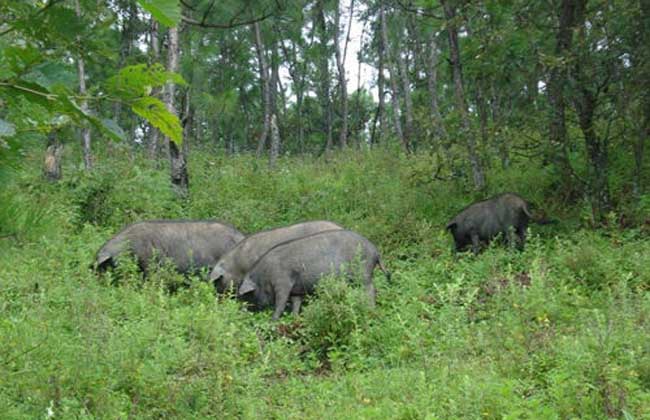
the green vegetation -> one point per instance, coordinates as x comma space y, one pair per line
557, 331
467, 99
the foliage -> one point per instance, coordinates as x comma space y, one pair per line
167, 12
556, 331
37, 83
331, 322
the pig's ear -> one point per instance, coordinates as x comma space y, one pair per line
451, 226
102, 260
102, 257
246, 287
217, 272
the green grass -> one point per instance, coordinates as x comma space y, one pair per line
557, 331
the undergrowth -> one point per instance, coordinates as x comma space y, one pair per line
559, 330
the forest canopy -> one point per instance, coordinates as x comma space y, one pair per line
560, 84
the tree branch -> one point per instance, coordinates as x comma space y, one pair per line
418, 11
230, 25
184, 3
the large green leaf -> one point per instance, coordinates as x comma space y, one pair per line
154, 110
65, 100
7, 129
33, 92
51, 73
167, 12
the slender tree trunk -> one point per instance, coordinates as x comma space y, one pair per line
340, 65
276, 86
393, 83
557, 84
275, 142
452, 33
495, 110
274, 151
301, 125
126, 45
482, 109
357, 113
586, 102
432, 84
297, 77
380, 113
644, 74
187, 118
85, 131
52, 162
265, 88
178, 165
408, 101
326, 101
154, 137
597, 153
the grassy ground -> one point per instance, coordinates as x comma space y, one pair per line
560, 330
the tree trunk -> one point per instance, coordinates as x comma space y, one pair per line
452, 33
379, 113
154, 133
432, 84
394, 97
495, 110
274, 151
408, 101
85, 131
557, 84
586, 102
276, 85
178, 165
187, 118
482, 109
644, 74
359, 123
275, 142
297, 77
126, 45
265, 88
52, 161
340, 65
326, 101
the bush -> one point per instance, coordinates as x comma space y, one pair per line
332, 318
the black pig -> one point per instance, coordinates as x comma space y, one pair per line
190, 245
506, 213
291, 270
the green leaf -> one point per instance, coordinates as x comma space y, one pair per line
33, 92
113, 129
50, 74
167, 12
135, 81
66, 101
7, 129
154, 110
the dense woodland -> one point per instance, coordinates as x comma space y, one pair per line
117, 111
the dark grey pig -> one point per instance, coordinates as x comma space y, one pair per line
505, 213
190, 245
233, 266
292, 269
